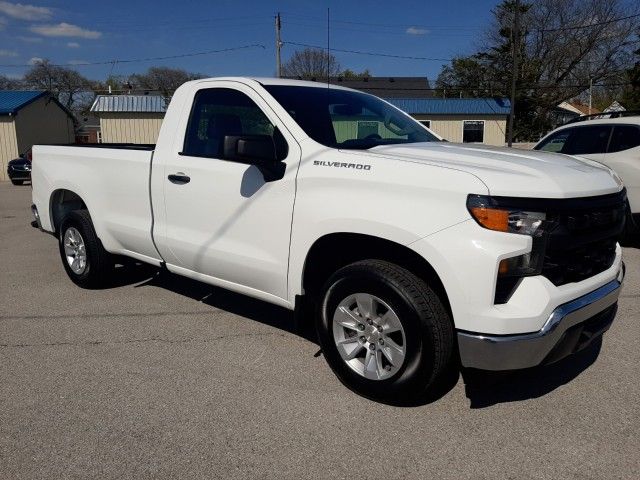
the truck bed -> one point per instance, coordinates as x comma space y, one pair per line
111, 179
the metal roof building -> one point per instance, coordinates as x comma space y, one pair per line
462, 120
28, 118
129, 118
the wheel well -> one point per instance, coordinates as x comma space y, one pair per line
334, 251
62, 203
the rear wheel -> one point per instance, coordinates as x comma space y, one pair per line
384, 331
84, 258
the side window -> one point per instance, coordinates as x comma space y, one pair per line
555, 143
587, 140
473, 131
220, 112
624, 137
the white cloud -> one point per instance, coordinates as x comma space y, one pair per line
29, 39
417, 31
64, 30
73, 45
8, 53
25, 12
3, 23
34, 60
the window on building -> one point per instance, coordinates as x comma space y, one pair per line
473, 131
221, 112
624, 137
426, 123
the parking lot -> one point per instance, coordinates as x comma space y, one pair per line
164, 377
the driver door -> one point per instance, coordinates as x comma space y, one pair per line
223, 223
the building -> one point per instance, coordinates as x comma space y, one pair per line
129, 118
460, 120
88, 130
388, 87
29, 118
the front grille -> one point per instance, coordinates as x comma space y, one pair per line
583, 241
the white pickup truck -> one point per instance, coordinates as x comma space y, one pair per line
410, 254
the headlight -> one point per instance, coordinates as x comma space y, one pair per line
500, 214
503, 219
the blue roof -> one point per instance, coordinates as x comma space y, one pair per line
130, 103
453, 106
13, 100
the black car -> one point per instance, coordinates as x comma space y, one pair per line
19, 169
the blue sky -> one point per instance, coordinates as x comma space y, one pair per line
73, 31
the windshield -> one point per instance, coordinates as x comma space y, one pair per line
347, 119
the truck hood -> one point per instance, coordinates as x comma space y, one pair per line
513, 172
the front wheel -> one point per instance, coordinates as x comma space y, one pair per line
384, 332
17, 182
84, 258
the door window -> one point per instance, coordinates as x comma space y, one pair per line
587, 140
221, 112
624, 137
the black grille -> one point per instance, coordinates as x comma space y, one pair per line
583, 241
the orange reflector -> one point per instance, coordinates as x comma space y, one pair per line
503, 268
491, 218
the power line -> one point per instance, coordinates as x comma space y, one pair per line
148, 59
373, 54
597, 24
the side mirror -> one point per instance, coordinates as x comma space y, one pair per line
254, 149
258, 150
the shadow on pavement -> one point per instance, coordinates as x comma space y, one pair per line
485, 389
221, 299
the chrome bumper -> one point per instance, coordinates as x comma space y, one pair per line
570, 327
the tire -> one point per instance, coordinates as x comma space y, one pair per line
17, 182
97, 267
426, 334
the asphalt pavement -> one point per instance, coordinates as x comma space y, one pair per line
163, 377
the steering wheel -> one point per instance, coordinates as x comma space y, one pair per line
373, 136
393, 128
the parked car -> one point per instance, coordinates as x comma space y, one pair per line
613, 141
409, 254
19, 169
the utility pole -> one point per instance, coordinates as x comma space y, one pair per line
590, 93
278, 46
516, 45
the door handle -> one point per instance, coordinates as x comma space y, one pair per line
179, 178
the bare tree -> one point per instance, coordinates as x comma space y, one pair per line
311, 63
565, 45
163, 79
69, 87
7, 83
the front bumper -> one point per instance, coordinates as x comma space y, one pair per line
15, 174
571, 327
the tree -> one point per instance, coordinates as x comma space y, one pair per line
630, 97
163, 79
349, 74
7, 83
70, 88
311, 63
564, 45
